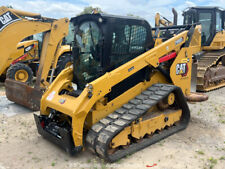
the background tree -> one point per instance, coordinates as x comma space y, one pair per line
90, 10
129, 14
9, 6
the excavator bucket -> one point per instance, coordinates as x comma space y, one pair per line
23, 94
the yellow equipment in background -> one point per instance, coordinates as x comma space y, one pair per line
21, 62
160, 20
17, 66
211, 61
122, 93
15, 25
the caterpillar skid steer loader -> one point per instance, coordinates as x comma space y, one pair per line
122, 93
21, 64
15, 25
211, 62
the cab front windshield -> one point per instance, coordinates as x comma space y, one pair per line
87, 65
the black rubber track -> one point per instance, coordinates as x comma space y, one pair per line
101, 134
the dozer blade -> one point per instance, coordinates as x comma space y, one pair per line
23, 94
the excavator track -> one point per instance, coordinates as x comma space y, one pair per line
210, 73
100, 136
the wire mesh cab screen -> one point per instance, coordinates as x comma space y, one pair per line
128, 41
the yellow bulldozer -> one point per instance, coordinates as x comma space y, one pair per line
21, 62
209, 73
211, 61
122, 93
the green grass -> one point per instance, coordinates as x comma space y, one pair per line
222, 158
200, 152
212, 161
36, 159
222, 121
220, 115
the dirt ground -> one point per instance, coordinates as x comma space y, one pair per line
201, 145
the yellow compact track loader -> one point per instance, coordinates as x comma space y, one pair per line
122, 93
211, 62
21, 62
15, 25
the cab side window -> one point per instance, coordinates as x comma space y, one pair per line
218, 22
205, 18
127, 43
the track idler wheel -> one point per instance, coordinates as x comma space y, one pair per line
165, 103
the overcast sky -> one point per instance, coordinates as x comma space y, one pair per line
142, 8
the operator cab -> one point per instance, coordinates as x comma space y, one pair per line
104, 42
211, 19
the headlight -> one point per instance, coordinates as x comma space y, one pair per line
28, 48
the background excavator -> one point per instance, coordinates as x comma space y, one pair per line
16, 25
28, 48
161, 20
211, 61
122, 93
22, 63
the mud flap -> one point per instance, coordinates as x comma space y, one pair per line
23, 94
58, 135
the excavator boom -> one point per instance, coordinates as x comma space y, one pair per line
160, 20
55, 31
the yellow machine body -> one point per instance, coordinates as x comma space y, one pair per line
119, 112
85, 111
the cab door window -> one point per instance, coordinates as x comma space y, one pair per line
189, 19
205, 18
87, 65
218, 22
